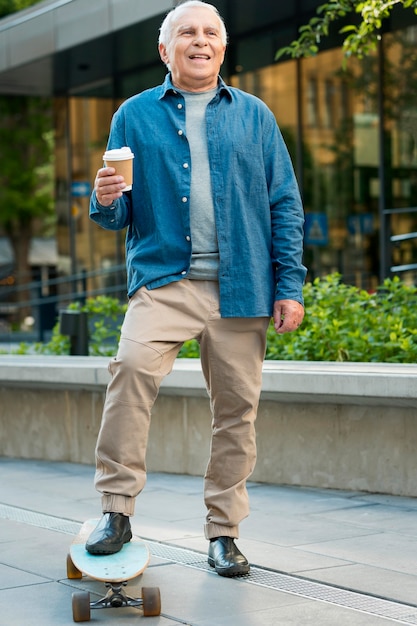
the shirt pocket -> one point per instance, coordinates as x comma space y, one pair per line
248, 167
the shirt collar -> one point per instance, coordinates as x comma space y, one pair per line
167, 87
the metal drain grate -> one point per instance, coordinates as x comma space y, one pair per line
372, 605
40, 520
401, 613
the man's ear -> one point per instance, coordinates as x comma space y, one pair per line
224, 54
163, 53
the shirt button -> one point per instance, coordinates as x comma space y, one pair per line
188, 238
179, 105
185, 165
183, 273
180, 132
184, 199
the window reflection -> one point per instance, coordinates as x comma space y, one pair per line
341, 153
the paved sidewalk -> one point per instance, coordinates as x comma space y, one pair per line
318, 557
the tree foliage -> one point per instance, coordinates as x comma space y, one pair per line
26, 170
25, 146
26, 179
11, 6
360, 38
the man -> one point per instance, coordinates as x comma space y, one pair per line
213, 249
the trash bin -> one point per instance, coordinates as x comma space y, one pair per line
74, 324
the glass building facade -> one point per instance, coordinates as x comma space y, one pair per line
351, 133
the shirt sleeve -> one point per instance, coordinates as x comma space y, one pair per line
113, 217
287, 216
117, 215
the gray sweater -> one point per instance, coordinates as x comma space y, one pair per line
205, 250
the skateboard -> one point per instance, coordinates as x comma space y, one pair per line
114, 570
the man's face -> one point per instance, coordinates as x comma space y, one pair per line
195, 52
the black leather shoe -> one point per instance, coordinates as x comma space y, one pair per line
226, 558
112, 531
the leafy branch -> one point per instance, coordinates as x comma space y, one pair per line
360, 39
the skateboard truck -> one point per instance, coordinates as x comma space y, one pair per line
115, 598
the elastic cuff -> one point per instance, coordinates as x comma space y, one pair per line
212, 531
112, 503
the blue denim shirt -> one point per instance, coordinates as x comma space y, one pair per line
258, 211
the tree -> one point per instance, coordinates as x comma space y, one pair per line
360, 38
25, 182
26, 172
11, 6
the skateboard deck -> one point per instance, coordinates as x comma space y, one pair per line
114, 570
130, 562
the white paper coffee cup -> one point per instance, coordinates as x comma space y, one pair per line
122, 161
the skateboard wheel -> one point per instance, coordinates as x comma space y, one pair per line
81, 606
72, 571
151, 598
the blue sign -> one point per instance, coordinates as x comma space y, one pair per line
80, 189
362, 224
316, 229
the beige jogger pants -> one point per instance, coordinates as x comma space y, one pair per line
156, 325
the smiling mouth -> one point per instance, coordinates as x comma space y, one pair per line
205, 57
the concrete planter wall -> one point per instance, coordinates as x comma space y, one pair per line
336, 425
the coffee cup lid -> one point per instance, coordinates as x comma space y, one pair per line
118, 154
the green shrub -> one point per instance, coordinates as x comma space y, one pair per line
342, 323
105, 317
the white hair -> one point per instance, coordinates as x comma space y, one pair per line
167, 26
